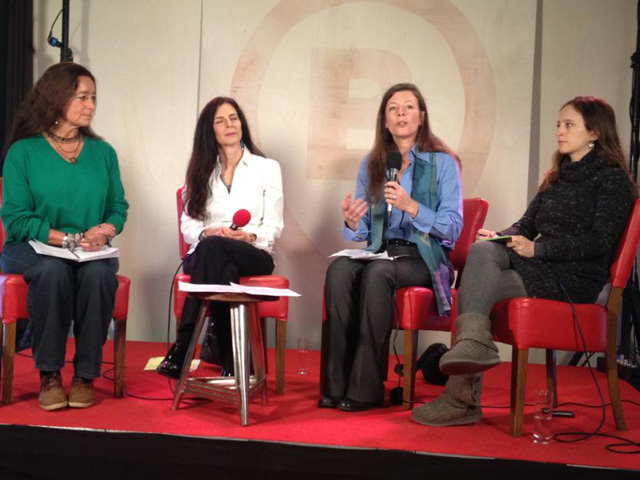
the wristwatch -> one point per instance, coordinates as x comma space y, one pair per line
202, 235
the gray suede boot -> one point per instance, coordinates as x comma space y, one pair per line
459, 404
474, 350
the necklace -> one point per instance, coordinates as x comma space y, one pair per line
70, 156
60, 139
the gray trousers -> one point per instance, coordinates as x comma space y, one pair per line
487, 278
360, 303
61, 291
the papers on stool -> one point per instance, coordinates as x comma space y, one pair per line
235, 288
357, 254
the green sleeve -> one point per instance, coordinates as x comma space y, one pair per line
19, 216
116, 206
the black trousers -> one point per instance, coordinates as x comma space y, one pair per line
220, 260
360, 307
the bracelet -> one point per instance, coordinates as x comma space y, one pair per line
65, 241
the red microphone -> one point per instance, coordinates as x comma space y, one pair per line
240, 219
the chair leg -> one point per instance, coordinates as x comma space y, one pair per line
281, 346
552, 381
520, 359
8, 353
323, 355
409, 374
614, 391
119, 347
263, 325
613, 307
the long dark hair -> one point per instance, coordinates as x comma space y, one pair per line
598, 117
204, 156
426, 140
48, 100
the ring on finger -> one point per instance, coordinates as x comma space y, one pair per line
395, 196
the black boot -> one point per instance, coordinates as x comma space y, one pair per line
171, 366
210, 351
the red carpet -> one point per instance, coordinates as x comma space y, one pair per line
294, 417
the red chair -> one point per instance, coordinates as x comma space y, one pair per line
13, 307
528, 323
416, 306
279, 310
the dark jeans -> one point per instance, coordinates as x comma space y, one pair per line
360, 304
219, 260
61, 291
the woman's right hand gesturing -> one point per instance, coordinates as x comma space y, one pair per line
353, 211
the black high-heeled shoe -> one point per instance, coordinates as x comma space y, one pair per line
328, 402
171, 366
350, 405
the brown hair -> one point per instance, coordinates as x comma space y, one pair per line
48, 100
599, 118
426, 141
204, 156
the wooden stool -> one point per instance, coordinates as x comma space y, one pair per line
246, 338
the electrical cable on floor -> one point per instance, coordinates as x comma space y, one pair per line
578, 436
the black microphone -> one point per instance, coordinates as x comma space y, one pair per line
394, 163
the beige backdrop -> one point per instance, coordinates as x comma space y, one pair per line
310, 75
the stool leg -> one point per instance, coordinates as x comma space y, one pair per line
204, 306
258, 352
241, 351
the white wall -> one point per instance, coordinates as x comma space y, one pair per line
158, 62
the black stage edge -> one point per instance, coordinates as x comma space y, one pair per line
52, 453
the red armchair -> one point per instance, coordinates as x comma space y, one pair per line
528, 323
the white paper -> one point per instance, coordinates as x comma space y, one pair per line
270, 291
236, 288
78, 255
358, 254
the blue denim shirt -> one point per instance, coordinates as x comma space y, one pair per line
445, 223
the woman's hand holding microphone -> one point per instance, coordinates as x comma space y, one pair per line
398, 198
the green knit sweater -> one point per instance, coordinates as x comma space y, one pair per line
41, 191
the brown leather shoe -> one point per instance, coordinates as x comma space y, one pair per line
81, 393
52, 395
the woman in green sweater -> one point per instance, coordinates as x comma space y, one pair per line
61, 186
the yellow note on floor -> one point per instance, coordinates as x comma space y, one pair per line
153, 363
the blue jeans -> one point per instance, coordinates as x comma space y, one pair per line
60, 291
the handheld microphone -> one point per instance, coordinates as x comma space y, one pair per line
394, 163
240, 219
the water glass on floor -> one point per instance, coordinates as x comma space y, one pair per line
302, 356
542, 417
